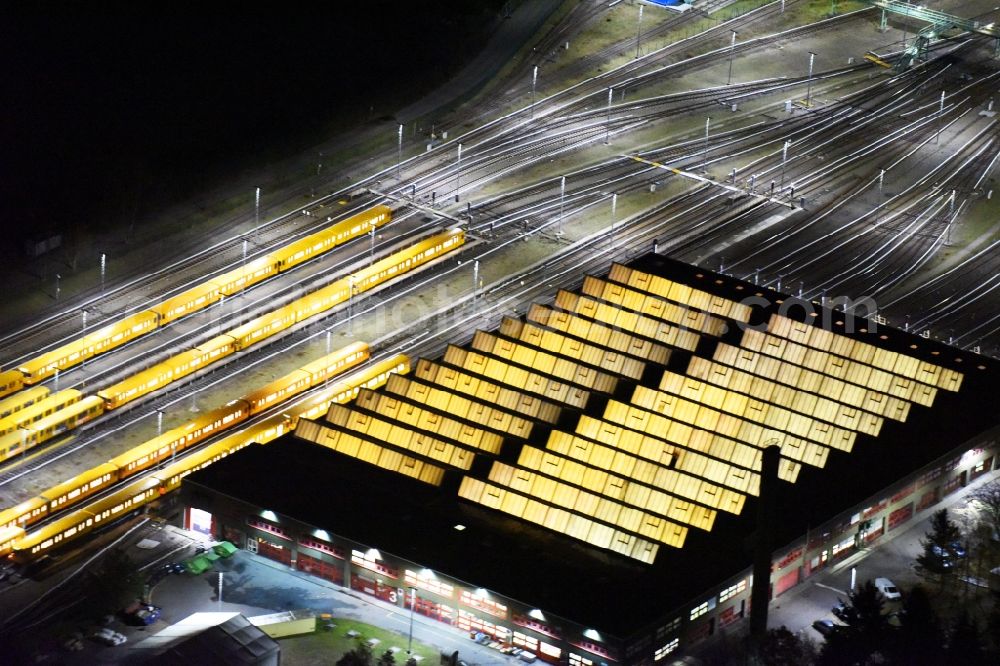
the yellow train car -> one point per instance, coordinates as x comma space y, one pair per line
103, 339
14, 444
346, 389
158, 450
81, 486
19, 401
313, 374
386, 269
186, 302
67, 418
27, 512
216, 348
171, 475
49, 536
177, 439
11, 381
48, 405
263, 327
406, 260
121, 502
166, 372
236, 280
8, 537
322, 241
278, 391
86, 519
335, 363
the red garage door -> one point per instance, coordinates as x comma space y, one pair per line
274, 551
786, 582
331, 571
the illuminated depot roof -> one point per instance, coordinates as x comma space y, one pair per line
609, 443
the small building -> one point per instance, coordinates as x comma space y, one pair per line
221, 639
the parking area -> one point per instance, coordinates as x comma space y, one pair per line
893, 559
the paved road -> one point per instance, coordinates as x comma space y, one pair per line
892, 558
254, 585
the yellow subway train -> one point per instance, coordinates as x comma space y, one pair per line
165, 446
25, 545
176, 367
11, 381
191, 300
280, 319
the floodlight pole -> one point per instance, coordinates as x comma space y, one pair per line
256, 210
458, 172
812, 57
704, 166
607, 129
638, 34
350, 306
475, 284
399, 154
534, 81
614, 207
937, 136
243, 283
103, 264
878, 209
83, 366
413, 605
784, 158
371, 252
951, 218
159, 422
732, 50
562, 201
58, 277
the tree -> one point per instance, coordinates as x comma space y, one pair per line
866, 639
840, 649
993, 629
412, 661
936, 557
868, 604
965, 644
387, 659
919, 640
780, 647
987, 501
359, 656
114, 584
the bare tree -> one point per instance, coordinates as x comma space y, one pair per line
987, 501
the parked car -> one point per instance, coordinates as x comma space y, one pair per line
141, 614
887, 588
944, 557
826, 627
845, 612
957, 549
108, 637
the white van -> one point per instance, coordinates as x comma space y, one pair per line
887, 588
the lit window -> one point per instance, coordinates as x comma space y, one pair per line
702, 608
732, 590
666, 649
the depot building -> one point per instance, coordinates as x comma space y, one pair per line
581, 483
